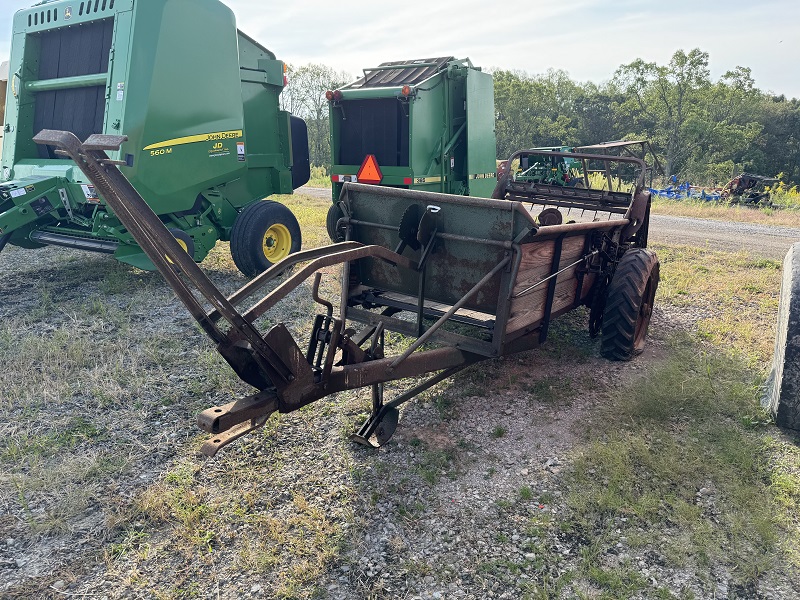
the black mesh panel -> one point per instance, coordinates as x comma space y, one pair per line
378, 127
69, 52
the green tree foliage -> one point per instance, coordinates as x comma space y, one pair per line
703, 130
777, 148
684, 114
534, 110
304, 96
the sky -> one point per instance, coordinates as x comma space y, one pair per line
587, 38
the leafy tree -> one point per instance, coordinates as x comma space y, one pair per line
777, 149
597, 111
684, 113
534, 110
304, 96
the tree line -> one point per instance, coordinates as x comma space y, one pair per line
703, 131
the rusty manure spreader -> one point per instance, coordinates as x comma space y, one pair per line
468, 278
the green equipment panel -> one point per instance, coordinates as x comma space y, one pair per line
429, 123
197, 99
481, 150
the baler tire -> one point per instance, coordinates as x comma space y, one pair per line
263, 234
499, 192
629, 305
184, 240
334, 214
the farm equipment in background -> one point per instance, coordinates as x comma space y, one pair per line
468, 279
748, 189
640, 149
424, 124
541, 165
566, 166
206, 137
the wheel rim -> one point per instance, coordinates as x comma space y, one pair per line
182, 243
645, 312
277, 243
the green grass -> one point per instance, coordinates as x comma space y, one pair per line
498, 431
737, 296
789, 217
320, 178
672, 457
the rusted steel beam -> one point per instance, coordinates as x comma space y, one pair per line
275, 270
332, 258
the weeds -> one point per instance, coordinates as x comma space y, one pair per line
705, 280
672, 455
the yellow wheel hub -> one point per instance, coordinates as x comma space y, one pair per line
277, 243
182, 244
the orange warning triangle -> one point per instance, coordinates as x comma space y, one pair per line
370, 172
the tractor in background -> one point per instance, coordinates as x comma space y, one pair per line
747, 188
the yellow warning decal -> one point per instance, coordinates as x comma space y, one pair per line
203, 137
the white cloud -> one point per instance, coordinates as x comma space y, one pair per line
587, 38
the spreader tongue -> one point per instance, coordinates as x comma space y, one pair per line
235, 419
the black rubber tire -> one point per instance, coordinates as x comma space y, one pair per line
629, 305
334, 214
782, 395
250, 243
184, 239
499, 192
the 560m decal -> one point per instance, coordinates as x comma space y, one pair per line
192, 139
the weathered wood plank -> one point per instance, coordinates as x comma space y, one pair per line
537, 260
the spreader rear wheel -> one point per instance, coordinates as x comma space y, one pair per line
263, 234
629, 304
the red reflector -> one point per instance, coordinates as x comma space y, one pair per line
334, 178
370, 172
407, 181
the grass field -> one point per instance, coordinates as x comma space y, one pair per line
675, 475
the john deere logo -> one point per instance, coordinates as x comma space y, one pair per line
68, 13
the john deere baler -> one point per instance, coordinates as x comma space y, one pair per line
425, 124
198, 102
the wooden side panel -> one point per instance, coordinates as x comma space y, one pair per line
537, 260
536, 264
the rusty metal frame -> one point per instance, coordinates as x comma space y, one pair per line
610, 200
286, 378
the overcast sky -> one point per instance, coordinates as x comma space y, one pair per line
587, 38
